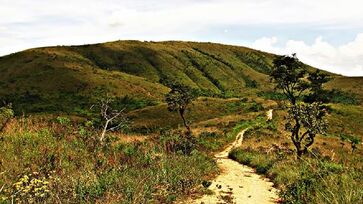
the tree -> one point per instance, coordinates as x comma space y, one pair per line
317, 93
288, 74
305, 120
113, 119
178, 99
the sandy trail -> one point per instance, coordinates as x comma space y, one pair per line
238, 183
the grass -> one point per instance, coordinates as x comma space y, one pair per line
154, 118
76, 75
330, 173
55, 148
76, 169
313, 180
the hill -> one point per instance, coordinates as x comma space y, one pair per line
70, 79
46, 149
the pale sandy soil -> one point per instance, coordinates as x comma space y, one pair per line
238, 183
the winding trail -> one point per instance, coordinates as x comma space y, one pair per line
238, 183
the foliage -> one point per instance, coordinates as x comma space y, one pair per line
211, 141
272, 95
311, 118
178, 99
63, 120
32, 188
6, 113
309, 181
353, 140
288, 74
175, 142
304, 121
136, 172
338, 96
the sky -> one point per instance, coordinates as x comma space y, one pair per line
327, 34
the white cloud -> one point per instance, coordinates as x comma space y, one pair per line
345, 59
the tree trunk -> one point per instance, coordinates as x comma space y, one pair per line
184, 121
104, 131
299, 154
311, 142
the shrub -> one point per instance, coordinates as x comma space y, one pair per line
63, 120
6, 113
210, 141
277, 96
338, 96
175, 142
33, 188
255, 107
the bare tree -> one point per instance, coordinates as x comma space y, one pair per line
113, 119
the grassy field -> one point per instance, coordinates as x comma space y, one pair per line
50, 150
52, 161
330, 173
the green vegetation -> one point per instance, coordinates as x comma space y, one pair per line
311, 180
338, 96
50, 136
178, 99
304, 120
6, 113
329, 173
66, 163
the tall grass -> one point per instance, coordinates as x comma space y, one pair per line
312, 180
77, 169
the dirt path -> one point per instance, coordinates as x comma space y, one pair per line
238, 183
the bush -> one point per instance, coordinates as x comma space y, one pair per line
338, 96
175, 142
210, 141
6, 113
255, 107
277, 96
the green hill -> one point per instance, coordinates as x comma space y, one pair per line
69, 79
61, 155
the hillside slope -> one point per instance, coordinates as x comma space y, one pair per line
71, 78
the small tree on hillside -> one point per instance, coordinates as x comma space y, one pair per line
178, 99
305, 120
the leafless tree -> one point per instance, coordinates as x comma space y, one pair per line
112, 119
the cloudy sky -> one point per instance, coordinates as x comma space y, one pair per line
324, 33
